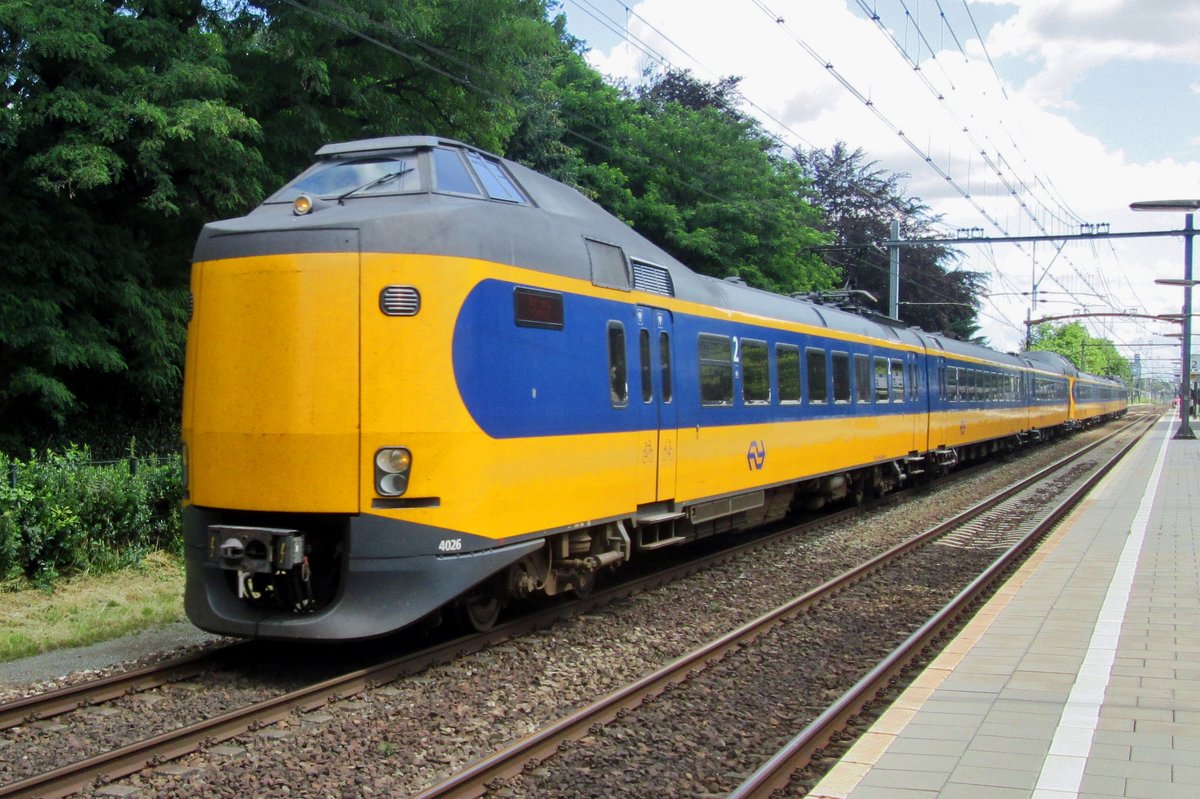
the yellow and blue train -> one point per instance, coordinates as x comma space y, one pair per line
423, 377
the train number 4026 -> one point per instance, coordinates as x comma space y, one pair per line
450, 545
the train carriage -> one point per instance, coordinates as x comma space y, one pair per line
1096, 399
420, 376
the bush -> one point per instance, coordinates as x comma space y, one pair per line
64, 513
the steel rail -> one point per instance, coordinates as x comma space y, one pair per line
511, 761
797, 754
62, 700
167, 746
126, 760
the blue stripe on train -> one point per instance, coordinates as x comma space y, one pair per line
520, 382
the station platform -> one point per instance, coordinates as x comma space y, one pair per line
1080, 677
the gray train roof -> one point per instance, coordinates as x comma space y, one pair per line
1050, 362
548, 235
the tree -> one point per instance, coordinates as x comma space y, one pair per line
318, 71
678, 161
116, 144
859, 201
126, 125
1096, 356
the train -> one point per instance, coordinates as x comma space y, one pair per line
423, 379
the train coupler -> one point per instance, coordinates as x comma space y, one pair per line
268, 551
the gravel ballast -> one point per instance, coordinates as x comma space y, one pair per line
399, 738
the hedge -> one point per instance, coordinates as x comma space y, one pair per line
64, 513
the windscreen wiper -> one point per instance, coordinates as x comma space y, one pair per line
379, 181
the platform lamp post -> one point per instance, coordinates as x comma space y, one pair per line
1188, 208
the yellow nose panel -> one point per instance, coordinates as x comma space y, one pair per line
273, 383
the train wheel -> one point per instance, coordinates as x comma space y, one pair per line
480, 612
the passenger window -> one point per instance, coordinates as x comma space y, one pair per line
664, 362
862, 378
818, 393
618, 380
881, 380
841, 377
644, 356
914, 383
897, 381
787, 366
716, 370
952, 383
450, 173
756, 373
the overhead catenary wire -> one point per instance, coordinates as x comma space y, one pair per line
1037, 209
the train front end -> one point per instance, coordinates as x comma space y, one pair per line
318, 393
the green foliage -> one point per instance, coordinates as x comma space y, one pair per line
127, 124
1097, 356
117, 141
316, 72
677, 161
66, 514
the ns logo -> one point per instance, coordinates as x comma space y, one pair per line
756, 455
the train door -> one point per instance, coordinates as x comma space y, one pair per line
656, 458
914, 401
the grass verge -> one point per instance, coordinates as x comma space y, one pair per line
88, 609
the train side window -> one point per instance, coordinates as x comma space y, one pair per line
716, 370
644, 359
787, 367
881, 380
756, 373
664, 365
495, 179
897, 381
841, 377
618, 378
914, 383
862, 378
952, 383
814, 359
451, 174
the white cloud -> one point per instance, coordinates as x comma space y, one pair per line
1036, 147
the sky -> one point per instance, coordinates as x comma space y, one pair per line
1017, 117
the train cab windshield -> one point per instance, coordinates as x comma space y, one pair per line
377, 174
443, 170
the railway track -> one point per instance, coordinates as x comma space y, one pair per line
1016, 514
159, 748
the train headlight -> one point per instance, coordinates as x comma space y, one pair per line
302, 205
391, 470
